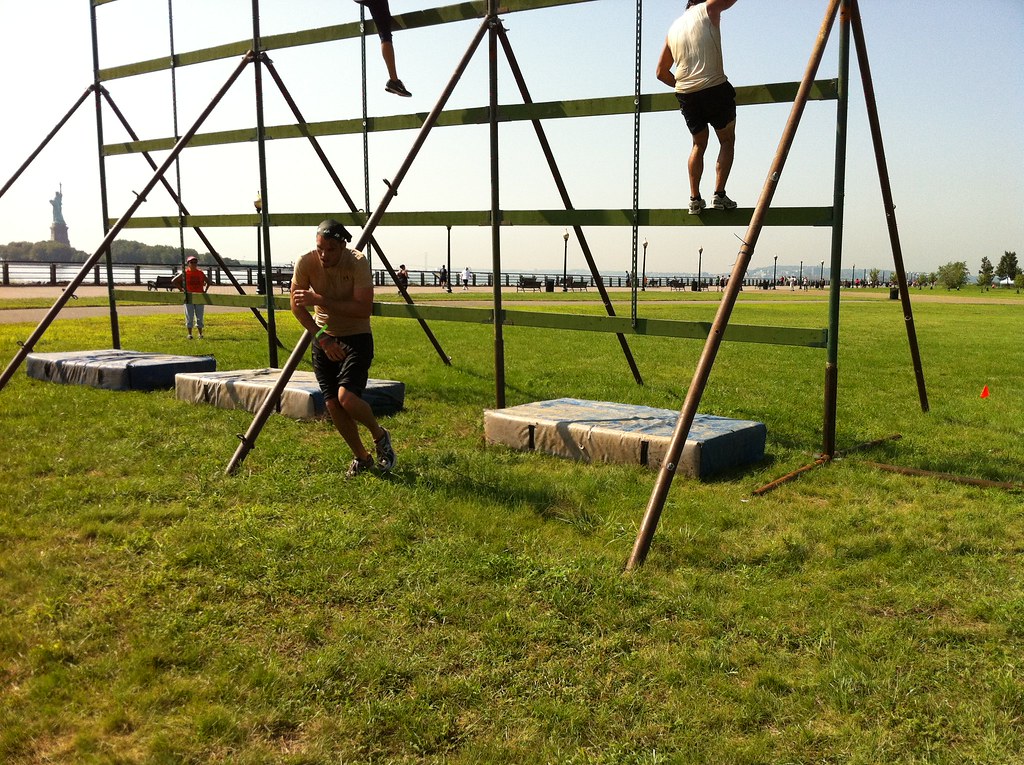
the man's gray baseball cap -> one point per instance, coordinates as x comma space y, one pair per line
331, 229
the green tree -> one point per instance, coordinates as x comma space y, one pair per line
874, 277
985, 273
1007, 267
953, 275
1018, 281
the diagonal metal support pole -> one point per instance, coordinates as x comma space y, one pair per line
45, 141
718, 327
304, 127
182, 209
248, 440
890, 207
556, 174
65, 296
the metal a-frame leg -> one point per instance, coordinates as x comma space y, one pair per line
183, 210
248, 440
718, 327
65, 296
890, 207
349, 201
545, 146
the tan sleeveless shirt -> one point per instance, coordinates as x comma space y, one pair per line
696, 46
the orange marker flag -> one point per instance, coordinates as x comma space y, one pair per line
984, 392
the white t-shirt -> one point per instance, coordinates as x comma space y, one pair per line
696, 46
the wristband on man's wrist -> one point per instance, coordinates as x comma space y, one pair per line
321, 333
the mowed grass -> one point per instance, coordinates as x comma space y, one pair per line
472, 607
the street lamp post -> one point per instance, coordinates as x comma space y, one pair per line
700, 252
775, 271
821, 277
565, 260
643, 274
800, 279
258, 204
853, 279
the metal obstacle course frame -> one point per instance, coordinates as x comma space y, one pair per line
492, 115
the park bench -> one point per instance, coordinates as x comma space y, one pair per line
161, 283
529, 283
576, 283
676, 284
282, 280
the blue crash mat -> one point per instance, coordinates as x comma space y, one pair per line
301, 398
605, 431
114, 369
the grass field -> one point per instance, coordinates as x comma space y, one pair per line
471, 607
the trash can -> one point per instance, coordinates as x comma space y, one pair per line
894, 293
695, 286
549, 285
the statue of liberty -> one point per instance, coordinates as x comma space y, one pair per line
58, 214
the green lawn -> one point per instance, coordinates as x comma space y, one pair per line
472, 607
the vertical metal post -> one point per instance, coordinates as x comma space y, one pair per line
636, 159
700, 378
831, 392
366, 120
270, 402
775, 273
556, 175
115, 331
261, 147
492, 70
890, 207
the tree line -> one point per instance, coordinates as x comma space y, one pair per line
956, 274
122, 251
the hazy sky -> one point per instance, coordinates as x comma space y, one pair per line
947, 76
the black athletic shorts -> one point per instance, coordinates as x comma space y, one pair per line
715, 106
380, 12
351, 373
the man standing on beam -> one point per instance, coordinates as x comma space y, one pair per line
694, 47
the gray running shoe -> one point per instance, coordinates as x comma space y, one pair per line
359, 466
697, 205
722, 202
385, 453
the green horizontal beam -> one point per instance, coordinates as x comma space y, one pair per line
779, 92
694, 330
413, 19
780, 216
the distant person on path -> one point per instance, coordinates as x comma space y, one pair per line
694, 47
380, 12
403, 278
336, 282
443, 278
193, 281
466, 276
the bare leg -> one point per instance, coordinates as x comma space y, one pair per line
695, 166
348, 429
726, 152
387, 51
359, 411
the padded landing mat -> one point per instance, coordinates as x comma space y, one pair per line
301, 399
114, 369
603, 431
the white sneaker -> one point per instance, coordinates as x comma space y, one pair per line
696, 205
722, 202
